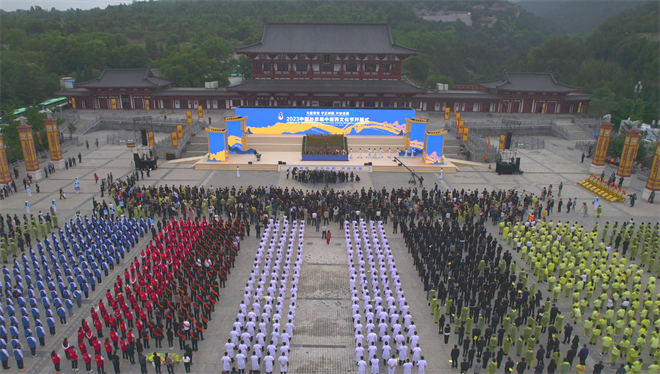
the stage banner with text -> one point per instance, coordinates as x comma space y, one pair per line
344, 121
461, 126
114, 104
189, 116
447, 112
502, 141
179, 131
200, 112
148, 104
175, 139
152, 139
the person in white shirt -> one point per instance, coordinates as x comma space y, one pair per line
403, 353
226, 363
268, 360
386, 352
417, 352
284, 363
391, 365
240, 361
359, 352
255, 361
362, 366
230, 348
375, 369
407, 367
372, 350
421, 366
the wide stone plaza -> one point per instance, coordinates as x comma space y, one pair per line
323, 336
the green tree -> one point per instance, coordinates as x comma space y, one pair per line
603, 102
244, 66
189, 67
417, 67
218, 48
129, 56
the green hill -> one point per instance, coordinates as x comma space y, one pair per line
578, 17
607, 63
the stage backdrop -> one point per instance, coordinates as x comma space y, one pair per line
433, 143
346, 121
218, 150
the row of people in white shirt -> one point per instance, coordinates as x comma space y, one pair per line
379, 278
244, 333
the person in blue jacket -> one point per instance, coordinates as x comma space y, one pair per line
41, 333
50, 321
4, 358
77, 295
18, 355
69, 306
32, 343
61, 312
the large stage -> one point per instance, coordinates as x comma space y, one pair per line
270, 162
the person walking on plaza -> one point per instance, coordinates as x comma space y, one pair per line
238, 172
27, 206
76, 185
328, 236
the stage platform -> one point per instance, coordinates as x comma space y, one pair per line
269, 162
287, 143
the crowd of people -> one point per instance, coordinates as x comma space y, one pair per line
263, 302
482, 297
323, 176
364, 246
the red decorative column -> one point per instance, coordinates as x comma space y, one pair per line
5, 173
629, 155
54, 142
604, 136
653, 184
29, 152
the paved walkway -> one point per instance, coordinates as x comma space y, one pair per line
323, 341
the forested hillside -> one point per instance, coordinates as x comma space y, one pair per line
191, 41
578, 17
607, 63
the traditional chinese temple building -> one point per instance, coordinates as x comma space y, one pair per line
340, 65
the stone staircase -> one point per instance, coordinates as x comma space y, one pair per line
575, 132
198, 145
451, 146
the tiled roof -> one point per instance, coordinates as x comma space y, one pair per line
402, 86
529, 82
126, 78
333, 38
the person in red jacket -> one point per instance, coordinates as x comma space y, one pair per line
88, 361
81, 335
328, 236
56, 360
115, 339
108, 347
123, 346
99, 328
97, 346
73, 356
99, 363
83, 347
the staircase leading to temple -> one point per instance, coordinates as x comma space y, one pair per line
198, 145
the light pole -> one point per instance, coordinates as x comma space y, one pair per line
638, 89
